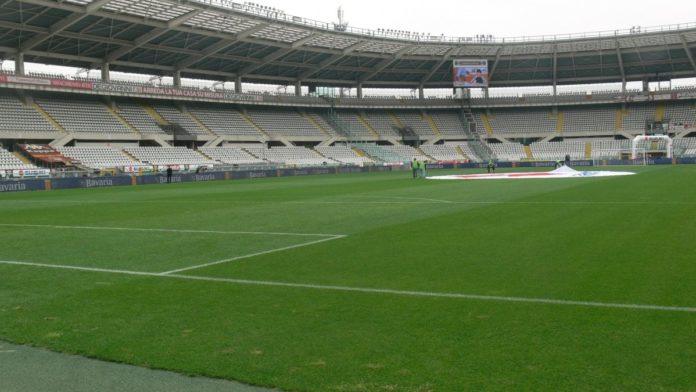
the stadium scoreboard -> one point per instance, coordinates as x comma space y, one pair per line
470, 73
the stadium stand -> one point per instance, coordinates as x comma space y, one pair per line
9, 161
405, 153
685, 147
609, 149
522, 121
442, 152
508, 151
98, 157
137, 117
417, 123
168, 156
175, 116
291, 156
231, 156
636, 115
596, 120
449, 125
226, 122
383, 124
469, 152
285, 123
81, 115
17, 117
553, 151
344, 155
354, 127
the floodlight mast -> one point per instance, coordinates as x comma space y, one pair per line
342, 24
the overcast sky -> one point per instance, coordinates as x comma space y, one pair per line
502, 18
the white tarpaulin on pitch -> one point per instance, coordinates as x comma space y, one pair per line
562, 172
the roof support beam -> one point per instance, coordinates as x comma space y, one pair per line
331, 60
688, 52
384, 64
275, 56
621, 66
555, 70
63, 24
218, 46
445, 58
498, 53
145, 38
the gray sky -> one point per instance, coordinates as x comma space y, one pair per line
502, 18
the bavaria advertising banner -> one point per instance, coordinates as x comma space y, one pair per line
470, 73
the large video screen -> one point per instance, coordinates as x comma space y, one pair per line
470, 73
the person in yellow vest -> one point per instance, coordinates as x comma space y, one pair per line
414, 167
423, 167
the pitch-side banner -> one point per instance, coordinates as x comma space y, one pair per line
470, 73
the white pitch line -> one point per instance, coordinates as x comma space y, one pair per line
405, 198
427, 294
526, 203
265, 252
170, 230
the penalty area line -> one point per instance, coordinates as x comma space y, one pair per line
365, 290
265, 252
170, 230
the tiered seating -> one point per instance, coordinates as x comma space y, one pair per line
442, 152
322, 123
353, 126
609, 149
658, 145
522, 121
15, 116
231, 155
416, 122
406, 153
10, 162
470, 153
589, 119
686, 146
83, 116
553, 151
225, 122
168, 156
174, 116
379, 153
681, 113
285, 123
635, 118
383, 124
508, 151
290, 156
97, 157
136, 116
343, 154
450, 125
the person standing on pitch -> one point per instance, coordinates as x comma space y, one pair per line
169, 174
414, 167
424, 166
491, 166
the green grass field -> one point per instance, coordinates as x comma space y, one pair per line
372, 282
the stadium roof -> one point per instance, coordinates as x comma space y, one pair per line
224, 40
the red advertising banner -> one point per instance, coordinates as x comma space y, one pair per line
27, 80
3, 79
76, 84
45, 153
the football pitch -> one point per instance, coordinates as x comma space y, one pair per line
366, 282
